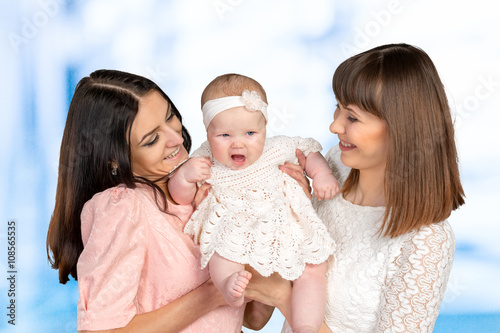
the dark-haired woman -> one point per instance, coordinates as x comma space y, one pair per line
397, 163
115, 227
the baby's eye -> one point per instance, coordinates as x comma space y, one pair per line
224, 135
250, 133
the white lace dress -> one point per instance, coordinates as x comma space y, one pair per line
261, 216
378, 284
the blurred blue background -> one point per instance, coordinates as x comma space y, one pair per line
292, 48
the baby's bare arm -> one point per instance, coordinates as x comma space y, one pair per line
182, 186
325, 185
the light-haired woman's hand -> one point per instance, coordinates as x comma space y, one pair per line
201, 194
296, 171
273, 291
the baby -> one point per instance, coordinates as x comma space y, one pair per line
255, 214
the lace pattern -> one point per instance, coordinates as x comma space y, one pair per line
378, 284
261, 216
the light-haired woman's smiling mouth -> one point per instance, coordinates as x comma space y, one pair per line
345, 144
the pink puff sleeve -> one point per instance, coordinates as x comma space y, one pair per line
110, 265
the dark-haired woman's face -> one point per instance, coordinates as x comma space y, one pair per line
156, 139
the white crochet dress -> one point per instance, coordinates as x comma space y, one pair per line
261, 216
379, 284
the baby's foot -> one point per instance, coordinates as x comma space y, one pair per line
234, 288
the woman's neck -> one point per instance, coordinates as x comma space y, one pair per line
369, 191
164, 187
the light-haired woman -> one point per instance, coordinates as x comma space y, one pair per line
397, 166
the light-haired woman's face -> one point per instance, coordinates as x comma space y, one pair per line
363, 138
156, 138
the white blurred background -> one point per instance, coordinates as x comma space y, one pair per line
292, 48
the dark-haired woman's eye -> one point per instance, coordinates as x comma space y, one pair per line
170, 116
152, 142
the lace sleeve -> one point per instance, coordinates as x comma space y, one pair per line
417, 283
307, 145
203, 151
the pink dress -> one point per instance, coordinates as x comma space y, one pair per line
137, 259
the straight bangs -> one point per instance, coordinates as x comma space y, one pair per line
358, 81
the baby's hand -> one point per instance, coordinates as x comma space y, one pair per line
196, 169
325, 186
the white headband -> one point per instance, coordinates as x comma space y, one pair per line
251, 100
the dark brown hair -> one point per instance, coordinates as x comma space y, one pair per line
96, 138
399, 84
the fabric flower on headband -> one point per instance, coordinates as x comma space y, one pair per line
252, 101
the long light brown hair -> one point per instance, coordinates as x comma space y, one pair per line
399, 84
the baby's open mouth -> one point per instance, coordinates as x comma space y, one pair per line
238, 159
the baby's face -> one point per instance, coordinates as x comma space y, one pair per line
237, 137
